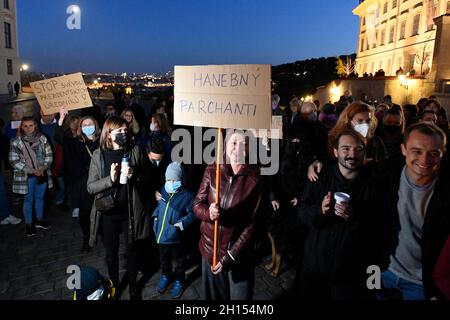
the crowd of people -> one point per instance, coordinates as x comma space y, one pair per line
112, 169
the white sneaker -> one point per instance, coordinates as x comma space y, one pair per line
11, 220
75, 213
14, 220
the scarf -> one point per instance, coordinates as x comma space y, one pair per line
31, 144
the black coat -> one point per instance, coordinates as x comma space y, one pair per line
337, 249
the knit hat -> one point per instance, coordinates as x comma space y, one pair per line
174, 172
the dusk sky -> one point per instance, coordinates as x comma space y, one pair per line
153, 36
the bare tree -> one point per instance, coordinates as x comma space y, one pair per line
349, 66
422, 55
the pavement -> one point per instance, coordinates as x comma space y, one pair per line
35, 268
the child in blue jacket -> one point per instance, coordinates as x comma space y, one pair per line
172, 216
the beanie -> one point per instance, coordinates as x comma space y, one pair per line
174, 172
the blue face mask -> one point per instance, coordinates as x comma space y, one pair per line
172, 186
88, 130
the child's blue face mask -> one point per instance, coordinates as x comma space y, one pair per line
172, 186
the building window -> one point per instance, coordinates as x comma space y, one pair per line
448, 6
412, 61
7, 35
388, 67
373, 67
402, 30
394, 4
362, 45
415, 29
6, 4
9, 66
391, 34
363, 21
383, 37
385, 7
432, 12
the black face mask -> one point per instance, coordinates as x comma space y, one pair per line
392, 129
121, 139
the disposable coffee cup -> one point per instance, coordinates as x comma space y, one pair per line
341, 197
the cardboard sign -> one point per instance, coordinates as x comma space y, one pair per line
223, 96
67, 91
275, 132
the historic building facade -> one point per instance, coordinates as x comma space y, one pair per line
397, 34
9, 46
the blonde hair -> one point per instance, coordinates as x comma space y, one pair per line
134, 125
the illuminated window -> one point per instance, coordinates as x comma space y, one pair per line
394, 4
391, 34
415, 29
402, 30
385, 7
383, 37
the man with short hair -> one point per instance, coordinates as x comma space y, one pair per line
417, 200
341, 236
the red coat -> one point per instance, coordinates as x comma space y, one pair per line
441, 274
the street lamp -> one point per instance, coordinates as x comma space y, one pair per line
24, 67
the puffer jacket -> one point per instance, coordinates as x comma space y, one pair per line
172, 209
240, 203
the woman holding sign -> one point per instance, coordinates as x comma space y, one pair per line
240, 201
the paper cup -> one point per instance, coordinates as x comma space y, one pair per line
341, 197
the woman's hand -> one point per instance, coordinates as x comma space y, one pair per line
128, 171
214, 211
218, 269
158, 196
62, 114
114, 172
275, 205
314, 170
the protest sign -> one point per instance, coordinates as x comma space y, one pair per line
223, 96
67, 91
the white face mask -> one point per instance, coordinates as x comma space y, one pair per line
362, 128
152, 127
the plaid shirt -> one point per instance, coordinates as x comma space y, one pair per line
17, 161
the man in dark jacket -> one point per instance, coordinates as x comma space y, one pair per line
341, 237
418, 205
